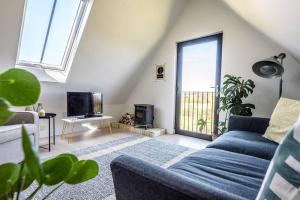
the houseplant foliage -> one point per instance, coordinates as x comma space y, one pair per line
201, 123
20, 88
234, 91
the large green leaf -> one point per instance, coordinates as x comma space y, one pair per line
26, 178
242, 109
56, 169
19, 87
9, 174
82, 171
31, 159
71, 156
5, 114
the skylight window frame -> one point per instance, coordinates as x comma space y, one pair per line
76, 27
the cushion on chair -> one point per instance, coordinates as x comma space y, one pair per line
13, 132
239, 174
244, 142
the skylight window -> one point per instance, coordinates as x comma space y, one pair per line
50, 33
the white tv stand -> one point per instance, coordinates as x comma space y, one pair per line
71, 121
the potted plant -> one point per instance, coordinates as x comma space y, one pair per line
21, 88
234, 91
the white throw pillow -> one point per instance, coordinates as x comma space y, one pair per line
283, 117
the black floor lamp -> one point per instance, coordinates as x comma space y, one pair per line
270, 68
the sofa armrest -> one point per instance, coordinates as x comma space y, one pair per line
243, 123
27, 117
137, 179
23, 118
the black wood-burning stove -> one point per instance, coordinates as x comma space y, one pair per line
143, 115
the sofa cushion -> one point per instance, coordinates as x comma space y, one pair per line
232, 172
13, 132
283, 117
244, 142
282, 180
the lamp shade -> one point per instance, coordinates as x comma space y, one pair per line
268, 68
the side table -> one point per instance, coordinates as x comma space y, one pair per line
50, 116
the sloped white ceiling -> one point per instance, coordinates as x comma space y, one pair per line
278, 19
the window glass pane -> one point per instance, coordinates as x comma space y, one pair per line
199, 67
61, 27
34, 29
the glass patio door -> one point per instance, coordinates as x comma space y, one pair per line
197, 86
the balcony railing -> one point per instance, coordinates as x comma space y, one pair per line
197, 111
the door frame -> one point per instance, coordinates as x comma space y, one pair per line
213, 37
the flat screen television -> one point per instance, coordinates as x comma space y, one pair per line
87, 104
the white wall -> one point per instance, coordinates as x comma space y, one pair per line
117, 37
242, 46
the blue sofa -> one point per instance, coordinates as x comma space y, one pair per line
231, 167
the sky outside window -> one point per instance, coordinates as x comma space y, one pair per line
63, 20
35, 27
199, 67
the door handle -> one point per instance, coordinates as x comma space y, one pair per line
178, 89
217, 90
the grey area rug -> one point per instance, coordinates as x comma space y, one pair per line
101, 187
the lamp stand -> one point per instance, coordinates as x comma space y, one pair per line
280, 87
281, 56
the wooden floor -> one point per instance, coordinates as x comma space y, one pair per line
93, 137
